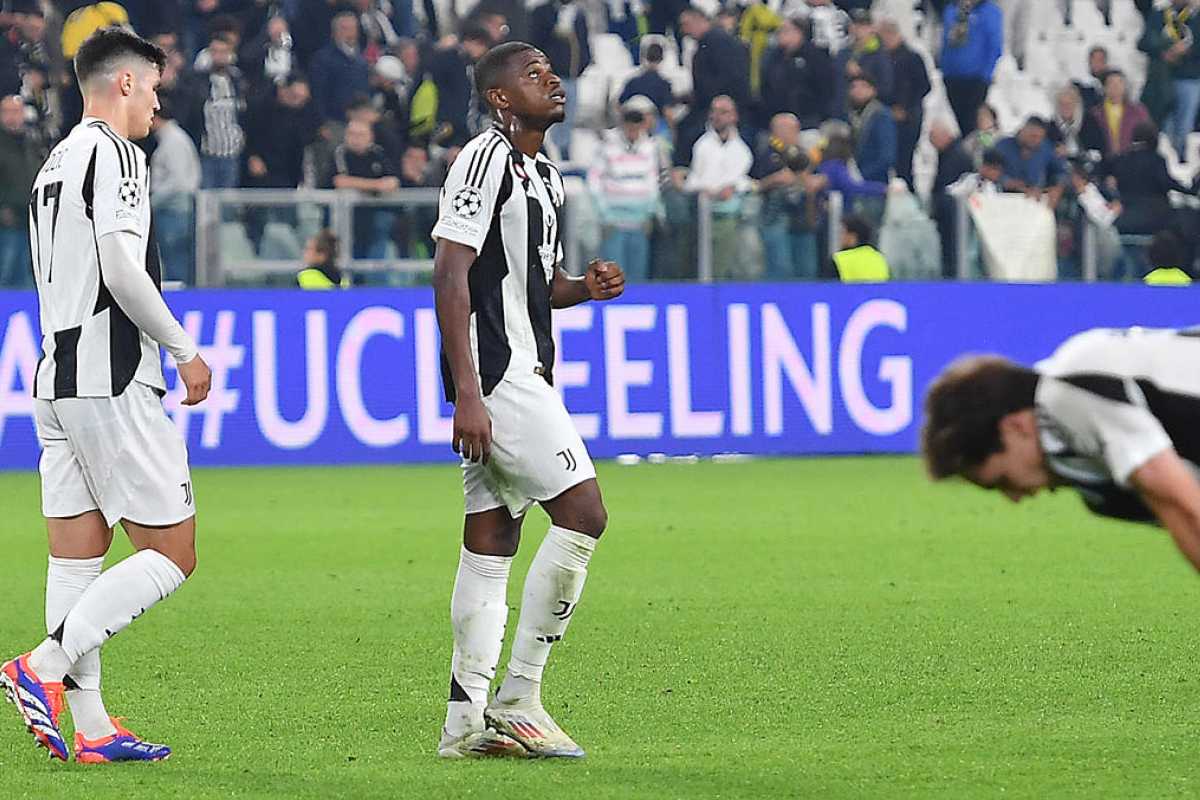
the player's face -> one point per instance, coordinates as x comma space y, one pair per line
143, 100
534, 92
1019, 469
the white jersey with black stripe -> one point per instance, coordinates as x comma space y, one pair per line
506, 206
1109, 400
93, 183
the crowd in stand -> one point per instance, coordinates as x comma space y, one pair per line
376, 95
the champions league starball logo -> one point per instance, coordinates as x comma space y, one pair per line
467, 202
130, 192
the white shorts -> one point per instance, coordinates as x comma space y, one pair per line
120, 455
536, 452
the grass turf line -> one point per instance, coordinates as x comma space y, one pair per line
831, 628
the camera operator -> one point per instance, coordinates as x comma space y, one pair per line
787, 186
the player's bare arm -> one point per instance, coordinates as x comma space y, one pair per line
134, 291
452, 299
1169, 487
604, 280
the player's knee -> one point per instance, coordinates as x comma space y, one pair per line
185, 561
592, 520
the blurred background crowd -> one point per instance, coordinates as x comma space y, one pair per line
720, 133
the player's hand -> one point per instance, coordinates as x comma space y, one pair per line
197, 377
604, 279
472, 430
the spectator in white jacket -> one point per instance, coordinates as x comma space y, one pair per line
720, 169
174, 181
624, 183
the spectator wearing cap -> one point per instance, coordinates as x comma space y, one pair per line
452, 70
1109, 127
720, 66
649, 81
559, 29
864, 56
857, 261
1144, 184
907, 100
797, 77
391, 88
874, 131
624, 184
783, 172
972, 43
174, 180
720, 169
19, 163
339, 70
1030, 163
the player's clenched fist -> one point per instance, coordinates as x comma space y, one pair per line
197, 377
605, 279
472, 430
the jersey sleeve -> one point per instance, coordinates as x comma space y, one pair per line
120, 188
470, 193
1105, 417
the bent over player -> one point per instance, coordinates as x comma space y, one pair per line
109, 452
1114, 414
496, 278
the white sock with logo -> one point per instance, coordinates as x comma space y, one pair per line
552, 590
66, 580
479, 612
119, 596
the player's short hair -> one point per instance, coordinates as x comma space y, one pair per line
489, 72
103, 49
963, 409
654, 53
695, 11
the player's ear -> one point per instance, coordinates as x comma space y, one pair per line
497, 99
1021, 423
125, 81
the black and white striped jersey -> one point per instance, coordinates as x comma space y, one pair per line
506, 206
93, 183
1109, 400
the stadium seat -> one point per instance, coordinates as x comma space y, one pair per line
610, 53
233, 244
279, 242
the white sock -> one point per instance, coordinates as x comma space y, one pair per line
115, 599
552, 590
479, 612
66, 580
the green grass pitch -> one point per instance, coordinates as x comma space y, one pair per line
830, 628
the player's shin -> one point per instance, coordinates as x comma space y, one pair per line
118, 597
66, 581
479, 612
552, 590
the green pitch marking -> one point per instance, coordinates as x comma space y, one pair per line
831, 628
